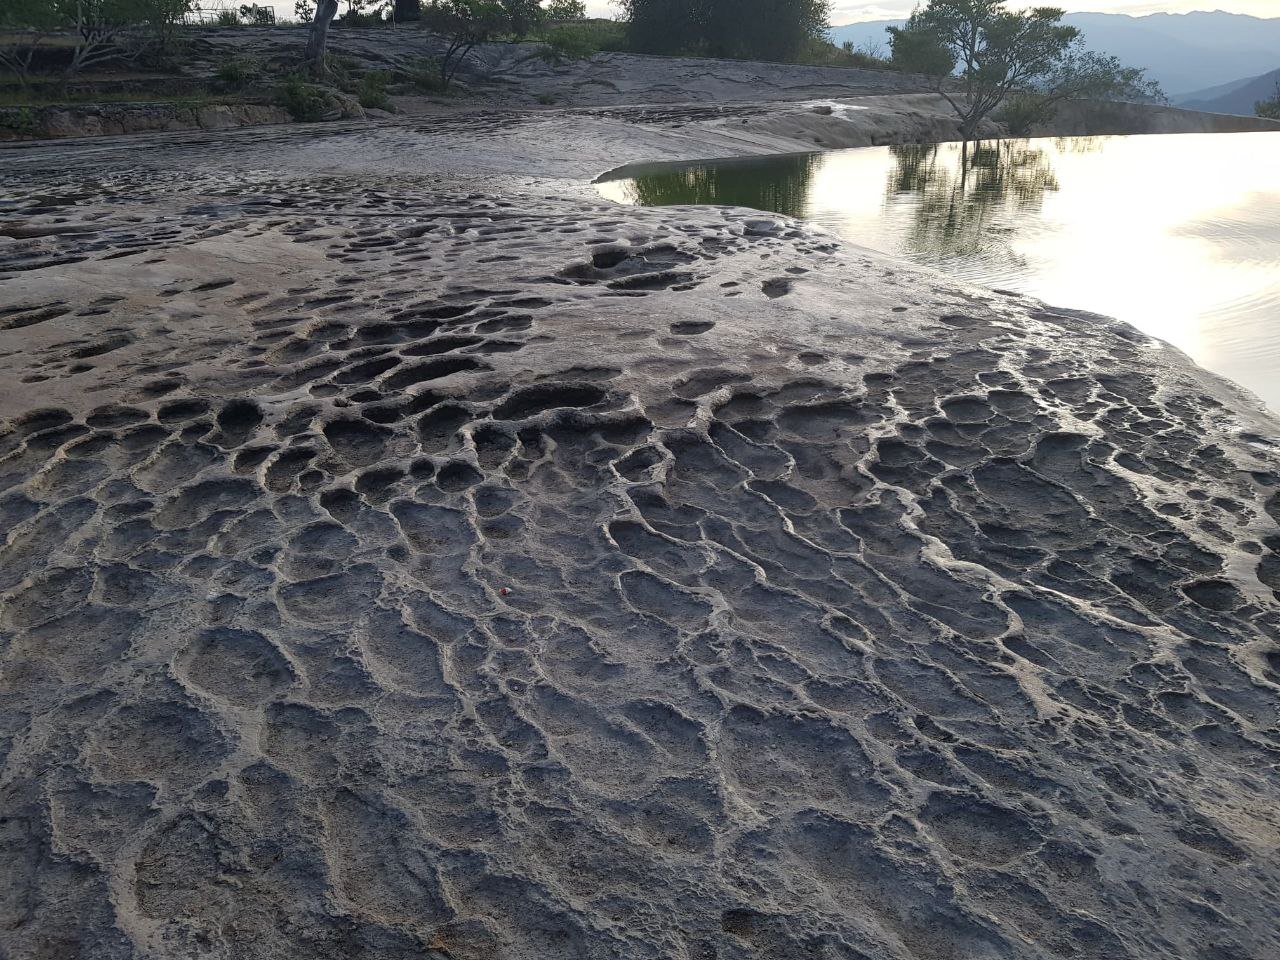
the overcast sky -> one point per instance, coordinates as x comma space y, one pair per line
849, 11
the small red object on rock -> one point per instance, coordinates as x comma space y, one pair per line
505, 591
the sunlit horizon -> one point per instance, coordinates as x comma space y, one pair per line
843, 13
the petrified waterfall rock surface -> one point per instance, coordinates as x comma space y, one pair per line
396, 571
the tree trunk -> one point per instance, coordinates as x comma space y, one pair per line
318, 39
18, 60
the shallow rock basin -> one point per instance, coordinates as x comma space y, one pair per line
446, 564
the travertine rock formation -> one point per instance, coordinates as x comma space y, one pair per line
391, 571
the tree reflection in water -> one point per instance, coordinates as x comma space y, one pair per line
1174, 234
777, 184
966, 198
949, 205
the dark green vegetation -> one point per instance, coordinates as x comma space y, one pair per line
577, 40
371, 91
78, 34
1269, 108
751, 29
305, 102
76, 52
48, 45
466, 23
237, 73
37, 97
1029, 59
309, 101
1193, 56
1016, 67
69, 52
778, 184
953, 205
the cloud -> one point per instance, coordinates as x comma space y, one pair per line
854, 12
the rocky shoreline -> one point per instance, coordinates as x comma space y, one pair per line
779, 127
774, 102
409, 554
115, 119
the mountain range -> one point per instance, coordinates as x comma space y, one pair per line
1239, 96
1188, 53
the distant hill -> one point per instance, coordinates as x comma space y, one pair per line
1185, 52
867, 34
1238, 96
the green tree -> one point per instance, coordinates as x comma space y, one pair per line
463, 24
999, 53
748, 29
661, 26
1270, 109
764, 29
918, 49
523, 16
560, 11
163, 17
997, 50
318, 38
25, 24
97, 28
1080, 75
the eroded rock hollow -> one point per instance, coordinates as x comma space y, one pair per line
399, 573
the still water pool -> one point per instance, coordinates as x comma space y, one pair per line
1178, 235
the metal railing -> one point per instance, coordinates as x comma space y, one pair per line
218, 12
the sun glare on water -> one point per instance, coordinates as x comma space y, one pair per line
1178, 235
